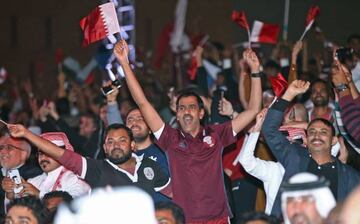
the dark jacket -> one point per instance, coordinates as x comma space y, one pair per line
295, 158
28, 170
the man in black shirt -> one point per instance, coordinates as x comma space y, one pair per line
121, 167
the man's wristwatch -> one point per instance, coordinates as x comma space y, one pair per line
341, 87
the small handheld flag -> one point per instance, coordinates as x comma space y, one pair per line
310, 19
100, 23
264, 33
240, 19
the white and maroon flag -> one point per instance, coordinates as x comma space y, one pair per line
264, 33
310, 19
100, 23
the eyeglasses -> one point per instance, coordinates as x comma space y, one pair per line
182, 108
9, 147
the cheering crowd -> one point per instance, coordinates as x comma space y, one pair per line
267, 139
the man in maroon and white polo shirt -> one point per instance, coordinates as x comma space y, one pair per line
194, 151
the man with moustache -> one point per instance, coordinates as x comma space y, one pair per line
320, 97
14, 155
316, 158
55, 176
194, 151
121, 167
144, 145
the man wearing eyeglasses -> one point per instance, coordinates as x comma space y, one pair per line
14, 155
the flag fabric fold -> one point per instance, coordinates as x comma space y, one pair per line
310, 19
279, 84
100, 23
264, 33
312, 14
192, 68
240, 19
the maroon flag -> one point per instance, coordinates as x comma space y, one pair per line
279, 84
100, 23
59, 56
312, 14
192, 68
240, 19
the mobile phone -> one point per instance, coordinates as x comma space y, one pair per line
344, 54
15, 176
108, 89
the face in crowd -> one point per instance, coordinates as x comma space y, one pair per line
47, 163
135, 121
320, 137
87, 126
20, 214
319, 94
189, 114
302, 210
118, 146
13, 152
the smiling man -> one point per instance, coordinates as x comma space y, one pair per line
14, 154
55, 176
195, 151
316, 158
121, 167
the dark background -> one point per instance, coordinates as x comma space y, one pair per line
31, 31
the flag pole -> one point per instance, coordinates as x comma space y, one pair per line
306, 30
286, 19
248, 32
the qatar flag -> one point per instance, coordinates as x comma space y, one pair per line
264, 33
100, 23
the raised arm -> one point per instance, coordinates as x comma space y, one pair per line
254, 106
47, 147
151, 117
276, 141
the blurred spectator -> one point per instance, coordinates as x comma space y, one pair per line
169, 213
306, 198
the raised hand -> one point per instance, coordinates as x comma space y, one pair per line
225, 107
121, 51
260, 117
340, 74
252, 60
297, 48
295, 88
111, 97
17, 130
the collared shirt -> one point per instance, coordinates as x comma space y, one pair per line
147, 176
67, 181
196, 169
327, 170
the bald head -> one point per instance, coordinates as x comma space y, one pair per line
14, 152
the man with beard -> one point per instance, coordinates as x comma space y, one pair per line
306, 199
55, 176
144, 145
121, 167
316, 158
194, 151
320, 97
